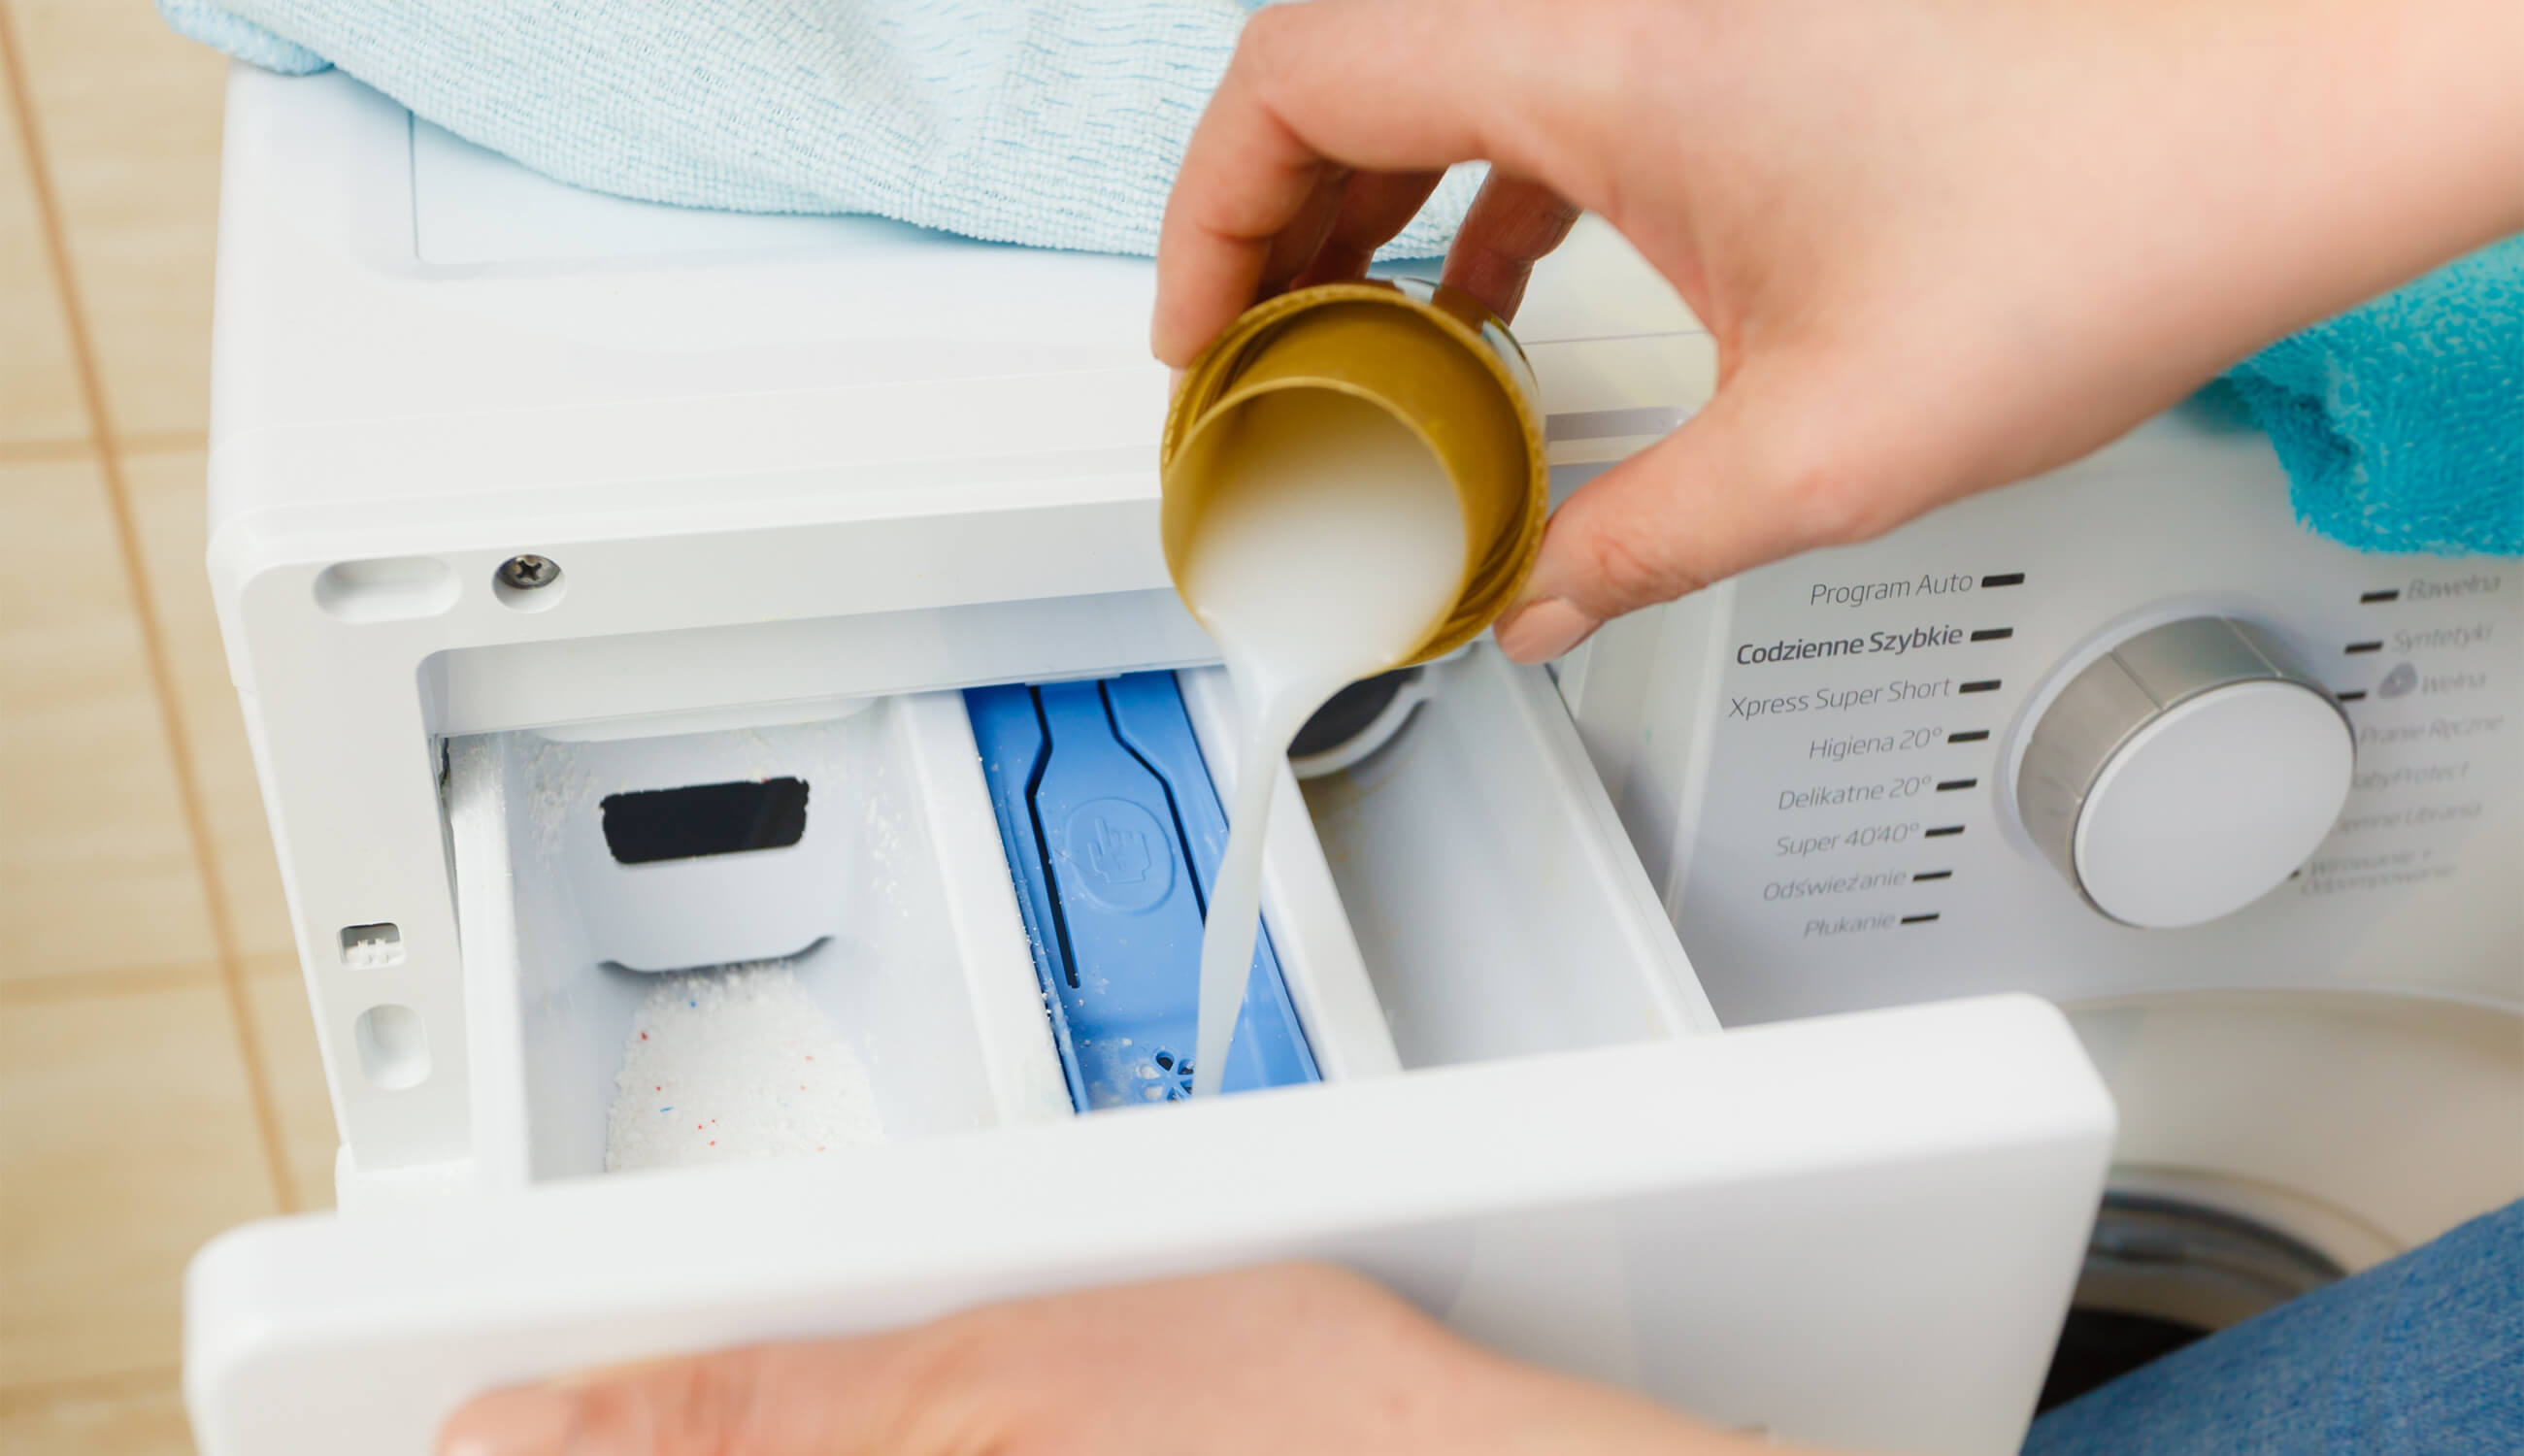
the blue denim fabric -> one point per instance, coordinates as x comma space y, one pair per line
2418, 1356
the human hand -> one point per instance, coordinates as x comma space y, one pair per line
1941, 244
1260, 1362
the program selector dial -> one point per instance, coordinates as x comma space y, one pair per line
2185, 773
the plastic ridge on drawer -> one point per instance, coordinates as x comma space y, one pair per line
1113, 833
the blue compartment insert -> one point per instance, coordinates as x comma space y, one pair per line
1114, 832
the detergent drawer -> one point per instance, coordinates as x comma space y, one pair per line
938, 912
1854, 1230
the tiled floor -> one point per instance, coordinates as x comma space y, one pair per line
157, 1063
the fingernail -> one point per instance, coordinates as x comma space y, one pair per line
533, 1420
1539, 631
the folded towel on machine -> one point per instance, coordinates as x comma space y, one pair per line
2401, 422
1051, 122
1059, 123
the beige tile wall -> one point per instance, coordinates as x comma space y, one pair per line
155, 1057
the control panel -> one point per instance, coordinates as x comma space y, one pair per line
2124, 729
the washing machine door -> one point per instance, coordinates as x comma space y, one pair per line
1861, 1230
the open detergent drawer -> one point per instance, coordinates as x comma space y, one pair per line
952, 912
1505, 1097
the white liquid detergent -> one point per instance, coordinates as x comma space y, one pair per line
1332, 546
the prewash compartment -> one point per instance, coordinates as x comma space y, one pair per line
847, 883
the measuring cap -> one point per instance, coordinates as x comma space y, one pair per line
1432, 357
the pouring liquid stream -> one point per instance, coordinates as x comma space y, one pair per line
1332, 546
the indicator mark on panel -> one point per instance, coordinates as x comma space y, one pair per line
2350, 697
1969, 735
1992, 634
1920, 920
2364, 647
1934, 874
1942, 830
2004, 579
2393, 594
1984, 684
1949, 785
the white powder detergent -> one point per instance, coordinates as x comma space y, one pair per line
735, 1064
1334, 546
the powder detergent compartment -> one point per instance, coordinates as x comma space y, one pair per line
1113, 831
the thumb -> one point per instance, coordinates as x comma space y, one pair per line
1754, 476
823, 1398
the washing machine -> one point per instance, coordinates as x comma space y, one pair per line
645, 617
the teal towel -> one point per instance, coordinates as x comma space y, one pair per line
1059, 123
2402, 423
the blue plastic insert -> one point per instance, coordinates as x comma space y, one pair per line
1113, 834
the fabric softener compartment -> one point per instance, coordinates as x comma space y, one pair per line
1113, 831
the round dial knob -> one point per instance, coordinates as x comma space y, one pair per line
2185, 773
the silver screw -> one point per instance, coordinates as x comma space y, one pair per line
525, 573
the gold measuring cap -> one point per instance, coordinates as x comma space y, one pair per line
1432, 357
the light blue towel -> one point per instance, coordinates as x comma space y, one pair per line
2402, 423
1059, 123
1053, 122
